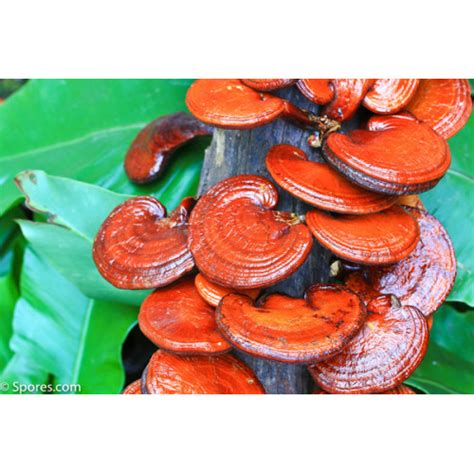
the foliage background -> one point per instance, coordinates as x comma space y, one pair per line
63, 143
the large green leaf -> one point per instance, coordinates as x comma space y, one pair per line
75, 212
82, 129
448, 366
74, 339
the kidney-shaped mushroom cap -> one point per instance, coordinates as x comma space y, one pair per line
384, 353
238, 241
348, 94
289, 329
389, 96
373, 239
152, 148
268, 84
213, 293
443, 104
397, 154
133, 389
222, 374
318, 91
424, 278
228, 103
139, 247
320, 185
177, 319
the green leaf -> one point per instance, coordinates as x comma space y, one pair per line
75, 212
448, 366
82, 129
74, 339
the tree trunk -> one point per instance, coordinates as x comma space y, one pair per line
234, 152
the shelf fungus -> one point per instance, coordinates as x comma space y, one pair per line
443, 104
318, 91
239, 241
292, 330
373, 239
168, 373
383, 354
153, 147
177, 319
389, 96
139, 247
401, 389
268, 84
396, 154
423, 279
133, 389
320, 185
212, 293
228, 103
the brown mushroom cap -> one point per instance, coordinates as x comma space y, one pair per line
411, 200
397, 154
212, 293
268, 84
152, 148
389, 96
318, 91
224, 374
348, 94
383, 354
373, 239
320, 185
138, 247
133, 389
443, 104
238, 241
289, 329
177, 319
424, 278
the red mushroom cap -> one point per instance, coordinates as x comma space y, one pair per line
224, 374
401, 389
138, 247
133, 389
291, 329
318, 91
389, 96
320, 185
177, 319
443, 104
396, 155
373, 239
238, 241
268, 84
152, 148
385, 352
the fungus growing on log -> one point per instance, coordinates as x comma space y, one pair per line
383, 354
139, 247
168, 373
318, 91
289, 329
320, 185
239, 241
389, 96
268, 84
177, 319
154, 145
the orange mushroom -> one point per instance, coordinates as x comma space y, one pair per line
289, 329
319, 185
397, 154
318, 91
268, 84
389, 96
401, 389
154, 145
239, 241
443, 104
168, 373
373, 239
383, 354
138, 247
133, 389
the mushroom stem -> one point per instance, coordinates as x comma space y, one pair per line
325, 126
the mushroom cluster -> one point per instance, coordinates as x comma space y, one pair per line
212, 260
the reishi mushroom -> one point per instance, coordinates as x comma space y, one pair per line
133, 389
320, 185
177, 319
389, 96
318, 91
239, 241
268, 84
289, 329
168, 373
139, 247
401, 389
383, 354
154, 145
